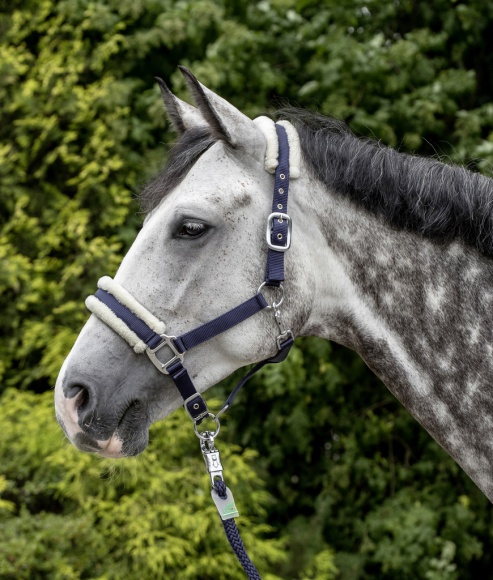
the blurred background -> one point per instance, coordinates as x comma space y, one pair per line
334, 479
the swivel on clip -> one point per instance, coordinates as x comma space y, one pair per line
225, 505
212, 459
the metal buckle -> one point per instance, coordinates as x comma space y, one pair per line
167, 341
270, 224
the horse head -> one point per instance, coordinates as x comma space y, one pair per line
200, 252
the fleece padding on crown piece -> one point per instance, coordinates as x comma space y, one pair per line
268, 128
294, 149
108, 284
115, 323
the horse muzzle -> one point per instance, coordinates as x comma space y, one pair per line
117, 435
90, 429
111, 419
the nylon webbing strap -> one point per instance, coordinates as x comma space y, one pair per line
280, 227
278, 240
277, 358
144, 332
221, 323
194, 403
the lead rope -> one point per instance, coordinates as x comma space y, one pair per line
225, 503
223, 498
221, 494
233, 536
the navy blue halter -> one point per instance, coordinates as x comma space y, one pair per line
278, 238
279, 223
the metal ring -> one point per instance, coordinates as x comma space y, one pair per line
274, 304
208, 435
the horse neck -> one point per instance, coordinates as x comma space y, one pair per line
419, 312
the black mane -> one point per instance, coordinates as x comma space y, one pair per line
409, 192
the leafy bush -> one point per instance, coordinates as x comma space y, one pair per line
355, 484
65, 514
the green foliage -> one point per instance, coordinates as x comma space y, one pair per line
355, 488
70, 515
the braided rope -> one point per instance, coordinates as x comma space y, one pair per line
234, 538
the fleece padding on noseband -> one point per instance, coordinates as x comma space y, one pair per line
111, 319
125, 298
114, 322
268, 128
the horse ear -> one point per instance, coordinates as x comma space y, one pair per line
226, 121
182, 115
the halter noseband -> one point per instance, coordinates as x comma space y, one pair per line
146, 333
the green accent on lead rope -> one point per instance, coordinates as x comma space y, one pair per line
226, 507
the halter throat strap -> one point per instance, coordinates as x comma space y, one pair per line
146, 333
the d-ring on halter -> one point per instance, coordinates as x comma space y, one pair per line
145, 333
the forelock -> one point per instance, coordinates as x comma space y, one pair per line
183, 155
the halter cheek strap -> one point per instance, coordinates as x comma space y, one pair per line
278, 234
146, 333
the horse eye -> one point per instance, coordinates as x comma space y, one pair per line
191, 230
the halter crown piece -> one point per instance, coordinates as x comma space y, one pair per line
145, 333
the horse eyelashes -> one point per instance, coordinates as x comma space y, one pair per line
191, 229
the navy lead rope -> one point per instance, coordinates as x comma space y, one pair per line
234, 538
278, 238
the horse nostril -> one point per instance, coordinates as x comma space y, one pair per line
73, 391
79, 392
